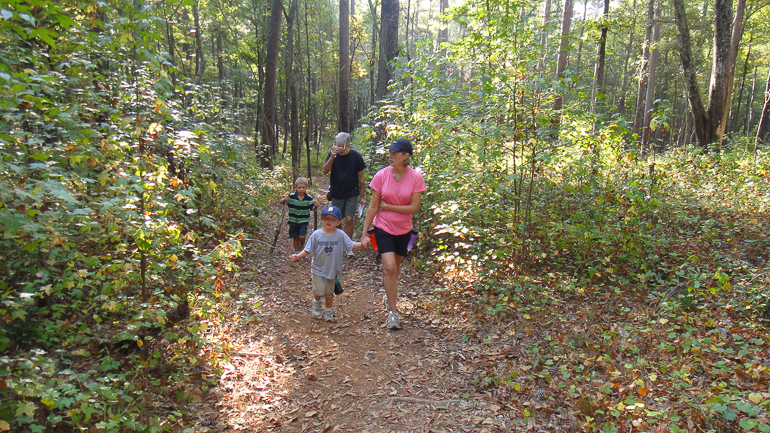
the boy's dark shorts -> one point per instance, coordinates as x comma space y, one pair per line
346, 205
388, 243
299, 231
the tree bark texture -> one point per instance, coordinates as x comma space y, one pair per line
735, 40
750, 105
650, 94
601, 56
291, 78
443, 33
561, 63
624, 85
763, 132
703, 130
643, 65
271, 68
343, 119
388, 45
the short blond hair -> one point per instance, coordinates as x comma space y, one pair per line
300, 180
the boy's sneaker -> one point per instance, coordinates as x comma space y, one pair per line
349, 254
315, 308
392, 322
328, 315
385, 302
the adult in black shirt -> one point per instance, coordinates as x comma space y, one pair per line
346, 179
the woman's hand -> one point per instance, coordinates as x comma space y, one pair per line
365, 241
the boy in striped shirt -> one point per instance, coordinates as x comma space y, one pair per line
300, 205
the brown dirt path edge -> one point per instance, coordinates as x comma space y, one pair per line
288, 372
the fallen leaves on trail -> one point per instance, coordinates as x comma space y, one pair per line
289, 372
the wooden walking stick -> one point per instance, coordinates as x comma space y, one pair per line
278, 229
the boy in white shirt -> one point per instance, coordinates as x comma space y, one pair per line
327, 246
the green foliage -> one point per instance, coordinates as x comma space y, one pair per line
638, 280
119, 207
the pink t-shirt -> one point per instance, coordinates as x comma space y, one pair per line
396, 193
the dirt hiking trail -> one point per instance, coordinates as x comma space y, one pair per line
289, 372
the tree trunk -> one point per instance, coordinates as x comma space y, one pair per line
544, 29
561, 63
407, 39
624, 85
601, 56
271, 67
443, 33
310, 90
735, 40
722, 70
221, 70
763, 132
704, 130
750, 105
636, 129
388, 45
650, 95
291, 78
737, 112
200, 58
579, 66
373, 56
343, 119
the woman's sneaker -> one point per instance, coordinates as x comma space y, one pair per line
392, 322
328, 315
315, 308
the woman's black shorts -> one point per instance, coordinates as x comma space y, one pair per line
388, 243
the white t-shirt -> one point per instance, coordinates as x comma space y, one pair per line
327, 252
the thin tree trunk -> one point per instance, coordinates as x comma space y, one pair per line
624, 86
736, 114
343, 119
735, 39
309, 125
200, 58
544, 29
388, 45
750, 105
561, 63
703, 130
650, 95
222, 73
642, 83
579, 66
271, 67
443, 33
601, 56
296, 145
373, 55
763, 131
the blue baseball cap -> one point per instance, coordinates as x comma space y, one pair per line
400, 145
333, 211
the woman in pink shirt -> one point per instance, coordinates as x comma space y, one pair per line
396, 193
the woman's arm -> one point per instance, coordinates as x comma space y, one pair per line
411, 208
371, 211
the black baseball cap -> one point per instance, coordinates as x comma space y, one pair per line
401, 145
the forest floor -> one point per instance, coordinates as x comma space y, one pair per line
288, 372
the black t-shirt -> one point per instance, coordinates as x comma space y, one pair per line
343, 176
